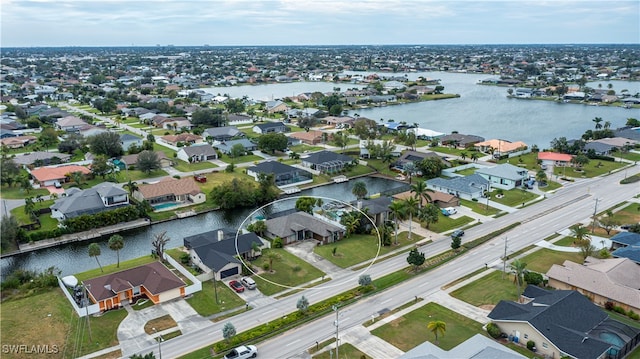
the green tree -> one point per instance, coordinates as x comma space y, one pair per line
429, 214
48, 137
608, 222
411, 209
455, 243
106, 143
587, 250
77, 177
303, 305
10, 170
541, 177
359, 189
272, 142
518, 269
148, 162
271, 256
437, 327
305, 204
421, 192
94, 251
116, 243
597, 121
415, 258
580, 160
340, 140
431, 167
258, 227
140, 356
131, 186
100, 166
228, 331
364, 280
397, 210
237, 150
9, 231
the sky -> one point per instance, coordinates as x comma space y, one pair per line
54, 23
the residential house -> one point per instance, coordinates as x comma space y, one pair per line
225, 133
377, 209
326, 161
366, 144
599, 148
416, 156
554, 159
170, 190
226, 146
626, 245
440, 199
183, 138
130, 161
618, 143
270, 127
236, 119
500, 147
217, 253
613, 280
424, 133
396, 126
312, 137
459, 140
48, 176
175, 123
18, 141
476, 347
275, 106
105, 196
505, 176
39, 158
70, 124
562, 323
126, 140
90, 130
468, 187
284, 175
339, 122
153, 281
197, 153
300, 226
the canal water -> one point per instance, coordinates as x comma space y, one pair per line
74, 257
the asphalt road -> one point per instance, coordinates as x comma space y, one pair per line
570, 205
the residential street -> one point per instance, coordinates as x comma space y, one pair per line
572, 204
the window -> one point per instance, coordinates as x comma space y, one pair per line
545, 345
526, 336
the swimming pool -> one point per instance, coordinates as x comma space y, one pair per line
612, 339
164, 205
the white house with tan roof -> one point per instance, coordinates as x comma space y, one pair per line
171, 190
613, 280
500, 147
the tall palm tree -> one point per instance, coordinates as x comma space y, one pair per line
397, 210
474, 156
597, 121
580, 233
131, 187
271, 256
421, 191
518, 268
359, 189
116, 243
410, 208
94, 251
437, 327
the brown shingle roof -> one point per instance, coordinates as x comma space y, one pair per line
170, 186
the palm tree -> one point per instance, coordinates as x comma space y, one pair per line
580, 233
131, 186
116, 242
397, 210
421, 192
437, 327
518, 268
474, 156
411, 208
597, 121
359, 189
272, 256
77, 177
607, 125
463, 155
94, 251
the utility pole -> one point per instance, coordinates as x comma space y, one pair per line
159, 343
595, 211
504, 259
86, 307
215, 287
337, 310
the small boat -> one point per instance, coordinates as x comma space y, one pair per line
70, 281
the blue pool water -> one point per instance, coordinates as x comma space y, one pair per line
165, 205
612, 339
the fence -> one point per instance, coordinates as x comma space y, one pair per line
196, 286
92, 309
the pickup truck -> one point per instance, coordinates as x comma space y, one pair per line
242, 352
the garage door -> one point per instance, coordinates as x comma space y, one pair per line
228, 272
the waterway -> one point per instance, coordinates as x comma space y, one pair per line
74, 258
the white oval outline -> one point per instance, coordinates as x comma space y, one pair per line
320, 286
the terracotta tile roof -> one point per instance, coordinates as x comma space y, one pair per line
18, 140
52, 173
169, 186
183, 137
436, 196
554, 156
307, 136
502, 145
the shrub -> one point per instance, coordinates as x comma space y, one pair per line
533, 278
184, 258
277, 242
494, 330
265, 265
531, 345
633, 315
608, 305
296, 268
619, 309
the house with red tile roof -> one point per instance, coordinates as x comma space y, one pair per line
153, 281
48, 176
554, 158
171, 190
18, 141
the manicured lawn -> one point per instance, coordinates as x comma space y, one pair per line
541, 260
466, 171
48, 319
111, 268
451, 151
551, 186
358, 170
565, 242
302, 148
528, 161
167, 151
382, 167
345, 350
514, 197
136, 175
183, 166
479, 207
359, 248
447, 223
241, 159
15, 192
204, 302
488, 290
458, 328
629, 214
592, 169
289, 271
631, 156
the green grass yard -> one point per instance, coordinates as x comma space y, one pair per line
488, 290
542, 259
204, 302
514, 197
289, 271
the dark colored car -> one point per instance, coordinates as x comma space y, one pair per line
457, 233
235, 285
200, 178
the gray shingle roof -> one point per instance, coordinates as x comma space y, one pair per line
197, 150
229, 131
274, 167
286, 225
505, 170
215, 253
88, 201
468, 184
327, 156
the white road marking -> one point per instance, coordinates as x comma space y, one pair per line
293, 342
388, 300
423, 284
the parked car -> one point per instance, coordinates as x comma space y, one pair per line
242, 352
200, 178
57, 184
248, 282
235, 285
449, 211
457, 233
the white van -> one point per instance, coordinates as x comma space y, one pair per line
248, 282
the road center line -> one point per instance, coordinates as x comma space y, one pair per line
423, 284
388, 300
293, 342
